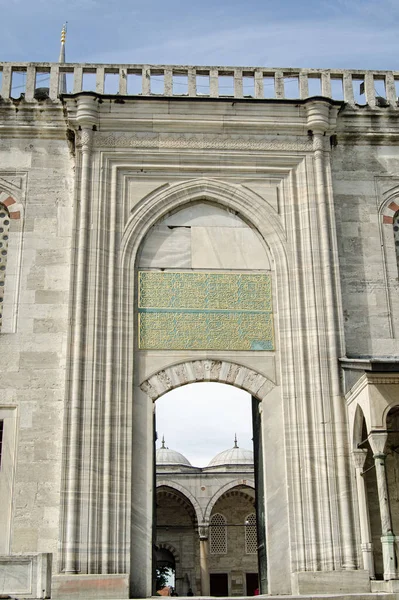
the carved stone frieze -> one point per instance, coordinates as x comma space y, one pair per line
201, 141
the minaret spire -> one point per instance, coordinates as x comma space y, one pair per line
62, 89
235, 441
163, 443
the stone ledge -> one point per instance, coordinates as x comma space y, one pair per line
312, 583
85, 587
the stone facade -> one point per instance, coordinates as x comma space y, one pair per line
88, 182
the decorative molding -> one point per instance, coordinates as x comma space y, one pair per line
200, 141
382, 380
207, 370
84, 139
11, 180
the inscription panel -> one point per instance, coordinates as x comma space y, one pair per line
205, 311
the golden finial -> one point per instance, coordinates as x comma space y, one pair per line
63, 33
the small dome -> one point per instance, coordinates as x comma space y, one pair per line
233, 456
165, 456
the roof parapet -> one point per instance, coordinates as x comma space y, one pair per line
374, 88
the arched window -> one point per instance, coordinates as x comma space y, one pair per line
251, 540
218, 534
396, 235
4, 231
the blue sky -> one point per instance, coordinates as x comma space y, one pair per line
360, 34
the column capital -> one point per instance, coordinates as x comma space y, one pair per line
359, 457
377, 441
321, 116
87, 111
85, 139
203, 531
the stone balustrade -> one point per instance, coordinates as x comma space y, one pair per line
374, 88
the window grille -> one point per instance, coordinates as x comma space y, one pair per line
218, 534
4, 231
1, 439
251, 539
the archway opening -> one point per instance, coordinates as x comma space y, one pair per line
205, 488
204, 285
371, 490
165, 568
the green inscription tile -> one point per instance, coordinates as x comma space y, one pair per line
205, 311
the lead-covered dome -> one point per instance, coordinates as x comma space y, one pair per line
166, 456
233, 456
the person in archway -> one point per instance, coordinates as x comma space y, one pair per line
163, 591
190, 592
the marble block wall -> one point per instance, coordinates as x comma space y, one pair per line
37, 172
365, 183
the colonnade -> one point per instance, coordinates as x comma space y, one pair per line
377, 441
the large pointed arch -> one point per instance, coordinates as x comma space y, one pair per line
231, 485
248, 205
173, 485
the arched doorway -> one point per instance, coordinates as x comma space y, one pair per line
165, 568
233, 544
218, 371
176, 524
191, 462
204, 292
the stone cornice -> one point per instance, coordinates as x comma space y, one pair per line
370, 365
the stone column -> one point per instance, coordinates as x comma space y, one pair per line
320, 120
204, 567
141, 523
377, 442
75, 429
359, 457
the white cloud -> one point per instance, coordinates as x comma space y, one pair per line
200, 420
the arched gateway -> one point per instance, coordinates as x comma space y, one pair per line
198, 282
195, 239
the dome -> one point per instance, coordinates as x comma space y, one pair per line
165, 456
233, 456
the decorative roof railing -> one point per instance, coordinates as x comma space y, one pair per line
374, 88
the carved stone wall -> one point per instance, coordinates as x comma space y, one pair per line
313, 186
